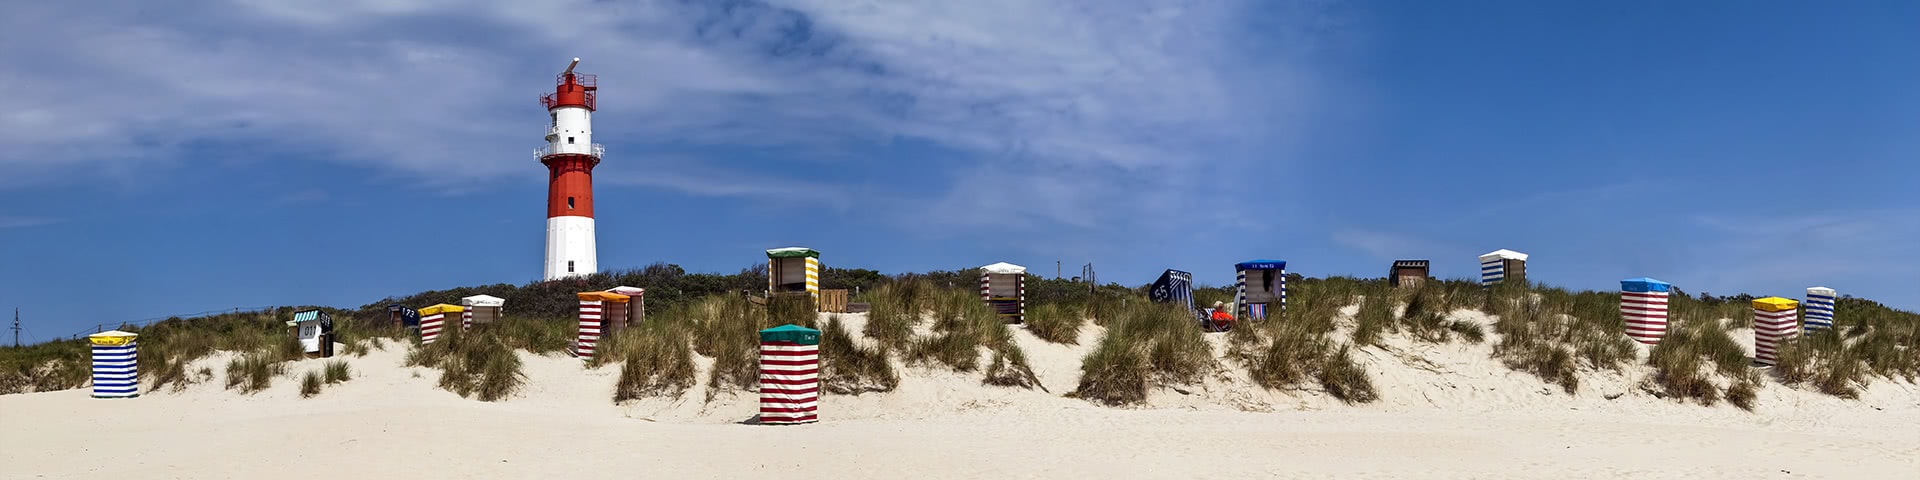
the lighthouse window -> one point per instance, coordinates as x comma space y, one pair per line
569, 203
569, 266
569, 140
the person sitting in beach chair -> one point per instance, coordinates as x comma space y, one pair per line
1221, 320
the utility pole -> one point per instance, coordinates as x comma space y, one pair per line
1056, 269
16, 326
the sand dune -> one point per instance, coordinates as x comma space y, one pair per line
1447, 411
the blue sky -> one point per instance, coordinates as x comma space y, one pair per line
219, 154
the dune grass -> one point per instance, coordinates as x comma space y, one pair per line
727, 328
57, 365
1296, 349
1826, 361
1697, 354
1101, 307
1686, 361
253, 372
337, 371
849, 369
1146, 345
541, 335
792, 310
1376, 315
310, 385
477, 364
1887, 341
962, 325
1055, 323
894, 310
1553, 334
1422, 313
655, 357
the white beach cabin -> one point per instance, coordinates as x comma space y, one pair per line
481, 310
1004, 287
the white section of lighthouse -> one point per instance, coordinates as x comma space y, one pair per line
570, 156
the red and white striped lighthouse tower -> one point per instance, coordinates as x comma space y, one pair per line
570, 156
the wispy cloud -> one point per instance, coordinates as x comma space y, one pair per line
1093, 106
8, 221
1767, 251
308, 196
1382, 245
708, 182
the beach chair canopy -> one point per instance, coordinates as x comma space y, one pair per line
311, 316
408, 316
1174, 286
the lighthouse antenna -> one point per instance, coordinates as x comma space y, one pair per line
576, 62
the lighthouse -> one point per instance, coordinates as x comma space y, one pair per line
570, 156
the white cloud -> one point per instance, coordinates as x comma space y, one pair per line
1104, 106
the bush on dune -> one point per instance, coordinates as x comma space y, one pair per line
727, 328
477, 364
1056, 324
1695, 348
847, 368
1553, 335
310, 385
894, 310
337, 371
962, 325
1294, 350
1146, 345
655, 358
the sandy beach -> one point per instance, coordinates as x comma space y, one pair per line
1447, 411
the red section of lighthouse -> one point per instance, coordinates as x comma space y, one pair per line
570, 156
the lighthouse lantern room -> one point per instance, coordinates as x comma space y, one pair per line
570, 156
